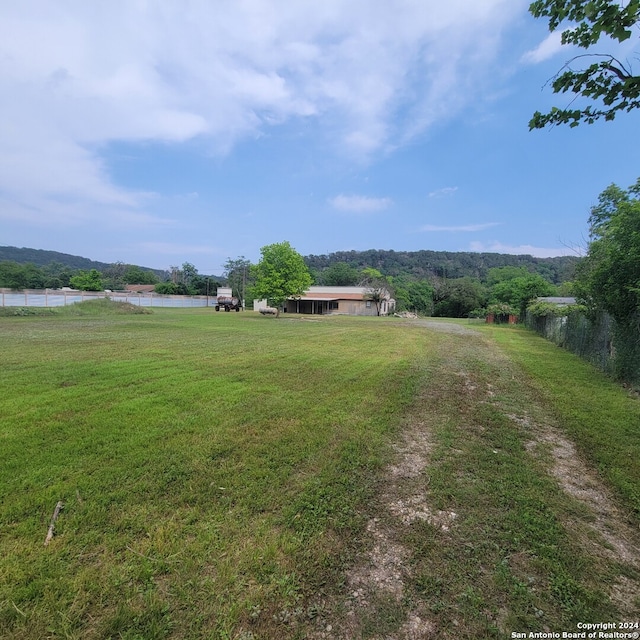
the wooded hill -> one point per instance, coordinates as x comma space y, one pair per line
417, 265
43, 258
444, 264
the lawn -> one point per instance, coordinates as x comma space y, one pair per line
211, 465
219, 474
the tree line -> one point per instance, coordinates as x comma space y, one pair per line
428, 282
447, 264
505, 289
450, 284
184, 280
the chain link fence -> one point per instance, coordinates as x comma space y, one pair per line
598, 340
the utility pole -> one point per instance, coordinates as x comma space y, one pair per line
244, 279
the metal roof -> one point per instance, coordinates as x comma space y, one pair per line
557, 300
326, 296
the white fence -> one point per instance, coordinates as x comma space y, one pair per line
59, 298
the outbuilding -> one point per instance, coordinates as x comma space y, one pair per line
352, 301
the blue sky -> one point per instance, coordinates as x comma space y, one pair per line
157, 133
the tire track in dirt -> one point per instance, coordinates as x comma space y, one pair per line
615, 539
383, 573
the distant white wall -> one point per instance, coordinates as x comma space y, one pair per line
60, 298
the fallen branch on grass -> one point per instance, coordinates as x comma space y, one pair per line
56, 513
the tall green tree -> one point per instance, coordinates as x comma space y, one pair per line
57, 275
119, 274
280, 274
137, 275
113, 276
340, 274
187, 281
238, 274
169, 289
609, 276
199, 285
519, 291
87, 280
500, 274
188, 274
610, 83
456, 298
21, 276
413, 295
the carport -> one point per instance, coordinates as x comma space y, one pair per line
312, 305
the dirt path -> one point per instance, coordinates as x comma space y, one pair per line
380, 599
614, 537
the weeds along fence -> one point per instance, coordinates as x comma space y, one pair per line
59, 298
598, 340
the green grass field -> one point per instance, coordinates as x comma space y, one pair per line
219, 474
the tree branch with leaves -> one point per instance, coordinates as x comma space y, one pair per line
607, 81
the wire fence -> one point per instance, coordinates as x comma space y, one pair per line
59, 298
598, 340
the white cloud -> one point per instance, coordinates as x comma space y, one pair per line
444, 192
76, 77
523, 249
360, 204
548, 48
54, 213
459, 228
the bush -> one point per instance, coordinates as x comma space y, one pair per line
541, 308
25, 311
103, 306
